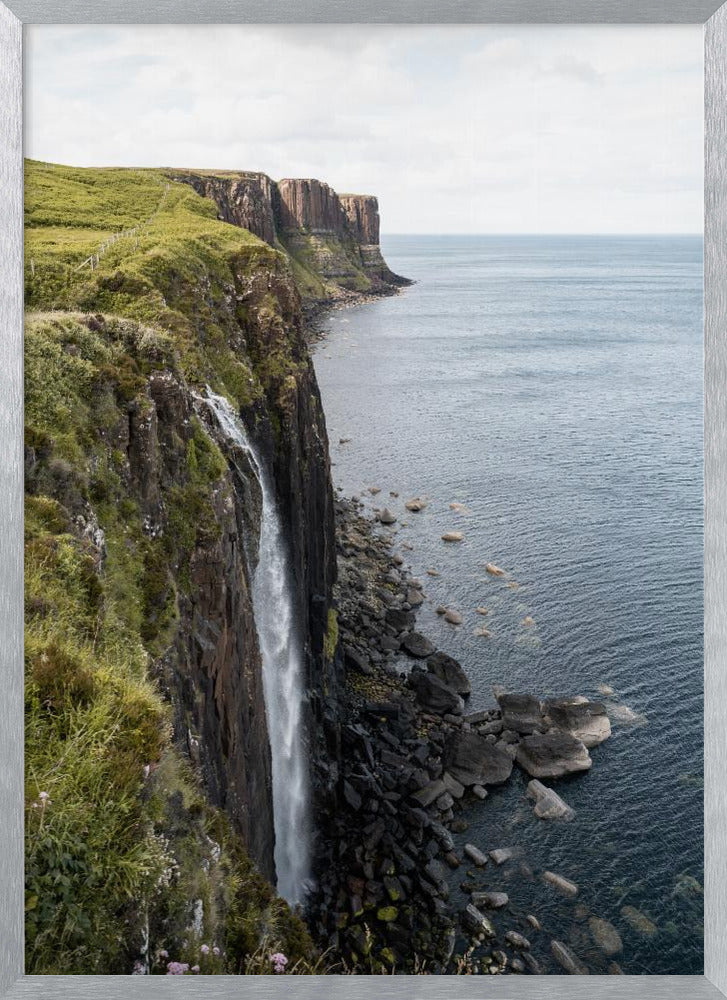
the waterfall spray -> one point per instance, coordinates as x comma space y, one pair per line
281, 650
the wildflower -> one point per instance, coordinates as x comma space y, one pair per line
43, 796
215, 950
279, 962
195, 968
205, 949
139, 969
177, 968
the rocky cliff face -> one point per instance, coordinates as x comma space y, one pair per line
328, 236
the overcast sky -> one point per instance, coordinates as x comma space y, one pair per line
456, 128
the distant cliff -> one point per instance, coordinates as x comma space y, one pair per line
332, 239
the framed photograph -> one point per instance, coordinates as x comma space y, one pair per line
363, 487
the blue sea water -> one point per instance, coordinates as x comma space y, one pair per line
553, 385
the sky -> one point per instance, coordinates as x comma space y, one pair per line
456, 128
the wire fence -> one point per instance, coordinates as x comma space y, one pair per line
95, 258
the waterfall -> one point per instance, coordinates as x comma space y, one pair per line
281, 650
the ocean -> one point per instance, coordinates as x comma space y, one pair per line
553, 386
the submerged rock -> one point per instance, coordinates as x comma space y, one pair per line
605, 936
552, 755
492, 900
639, 921
501, 855
567, 959
548, 804
453, 617
452, 536
494, 570
563, 885
472, 760
449, 670
415, 505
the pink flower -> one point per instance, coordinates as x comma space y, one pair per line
195, 968
177, 968
215, 950
163, 953
205, 949
279, 962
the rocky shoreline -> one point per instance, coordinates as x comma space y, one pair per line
409, 761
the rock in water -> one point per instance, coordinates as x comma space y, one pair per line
472, 760
522, 713
435, 696
386, 517
639, 921
492, 900
453, 617
452, 536
494, 570
548, 804
399, 619
563, 885
415, 644
605, 935
552, 755
449, 670
475, 855
517, 940
528, 621
567, 959
415, 505
586, 720
477, 922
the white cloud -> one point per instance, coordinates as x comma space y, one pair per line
456, 128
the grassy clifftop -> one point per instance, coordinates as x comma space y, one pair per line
126, 857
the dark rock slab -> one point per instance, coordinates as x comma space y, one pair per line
473, 761
435, 696
521, 713
586, 720
552, 755
449, 670
417, 645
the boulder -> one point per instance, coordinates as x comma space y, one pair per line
355, 660
386, 517
492, 900
548, 804
430, 793
494, 570
415, 505
473, 761
552, 755
415, 644
414, 597
605, 936
475, 855
567, 959
453, 617
455, 789
501, 855
517, 940
452, 536
522, 713
477, 922
436, 696
399, 619
586, 720
450, 671
563, 885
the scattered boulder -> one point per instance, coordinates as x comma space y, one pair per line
563, 885
415, 505
552, 755
355, 660
460, 508
472, 760
479, 792
548, 804
517, 940
605, 936
399, 619
639, 921
501, 855
475, 855
482, 611
449, 670
528, 621
477, 921
625, 715
522, 713
567, 959
414, 597
432, 572
452, 536
436, 696
386, 517
586, 720
415, 644
494, 570
430, 793
483, 633
492, 900
606, 690
453, 617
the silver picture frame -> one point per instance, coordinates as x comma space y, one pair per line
13, 16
